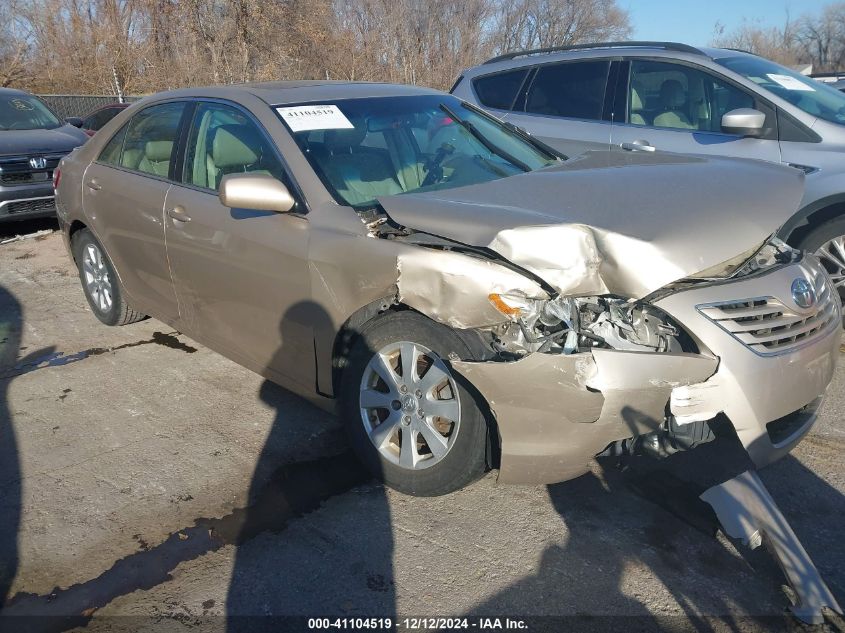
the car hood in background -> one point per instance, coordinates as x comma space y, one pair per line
614, 222
60, 140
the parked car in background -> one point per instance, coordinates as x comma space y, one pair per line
464, 297
834, 80
96, 119
32, 141
646, 96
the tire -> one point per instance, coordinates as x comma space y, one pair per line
822, 241
434, 472
100, 285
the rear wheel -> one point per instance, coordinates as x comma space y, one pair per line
100, 283
407, 416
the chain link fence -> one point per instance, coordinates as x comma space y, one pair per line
79, 105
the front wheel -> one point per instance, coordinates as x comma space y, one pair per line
827, 242
408, 417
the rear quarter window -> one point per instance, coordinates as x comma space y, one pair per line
499, 91
111, 152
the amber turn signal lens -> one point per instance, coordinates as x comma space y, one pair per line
501, 306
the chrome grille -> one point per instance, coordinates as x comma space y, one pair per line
16, 170
769, 326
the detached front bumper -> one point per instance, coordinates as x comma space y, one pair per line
556, 412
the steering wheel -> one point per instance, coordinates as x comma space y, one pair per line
434, 166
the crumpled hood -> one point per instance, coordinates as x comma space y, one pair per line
60, 140
614, 222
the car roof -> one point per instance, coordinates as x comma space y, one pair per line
12, 91
284, 92
518, 59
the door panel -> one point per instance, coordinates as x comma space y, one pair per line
126, 212
678, 108
570, 136
241, 275
238, 273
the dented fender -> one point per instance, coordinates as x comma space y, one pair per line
453, 288
555, 412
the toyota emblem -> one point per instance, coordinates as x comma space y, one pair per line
803, 294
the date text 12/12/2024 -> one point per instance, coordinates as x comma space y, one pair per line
434, 624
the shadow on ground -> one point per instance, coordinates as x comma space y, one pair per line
636, 516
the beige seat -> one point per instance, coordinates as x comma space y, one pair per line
233, 149
358, 176
636, 114
672, 99
156, 158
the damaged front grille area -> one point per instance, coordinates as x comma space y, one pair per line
768, 326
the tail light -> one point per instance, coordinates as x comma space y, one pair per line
57, 176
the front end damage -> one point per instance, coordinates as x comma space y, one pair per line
613, 320
570, 377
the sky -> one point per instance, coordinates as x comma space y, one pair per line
692, 22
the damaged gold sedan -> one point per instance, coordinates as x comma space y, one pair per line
467, 298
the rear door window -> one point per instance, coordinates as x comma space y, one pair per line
574, 90
500, 90
150, 143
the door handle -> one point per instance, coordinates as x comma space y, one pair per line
178, 213
93, 185
638, 146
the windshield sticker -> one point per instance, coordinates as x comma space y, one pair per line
790, 83
314, 117
20, 104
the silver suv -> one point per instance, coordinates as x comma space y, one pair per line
647, 96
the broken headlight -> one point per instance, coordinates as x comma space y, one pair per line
571, 324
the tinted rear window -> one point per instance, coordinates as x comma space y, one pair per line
573, 90
499, 90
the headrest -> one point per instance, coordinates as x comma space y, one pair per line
672, 93
636, 100
345, 138
233, 146
158, 151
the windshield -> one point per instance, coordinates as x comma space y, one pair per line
811, 96
363, 149
25, 112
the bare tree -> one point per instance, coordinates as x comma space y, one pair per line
523, 24
137, 46
14, 46
776, 43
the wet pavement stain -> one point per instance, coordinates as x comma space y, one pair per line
293, 491
58, 359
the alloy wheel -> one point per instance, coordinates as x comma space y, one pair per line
410, 405
97, 280
832, 256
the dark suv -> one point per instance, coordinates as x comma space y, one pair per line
32, 142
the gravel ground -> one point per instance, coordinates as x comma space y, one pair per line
147, 482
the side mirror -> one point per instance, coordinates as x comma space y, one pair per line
255, 191
743, 122
75, 121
